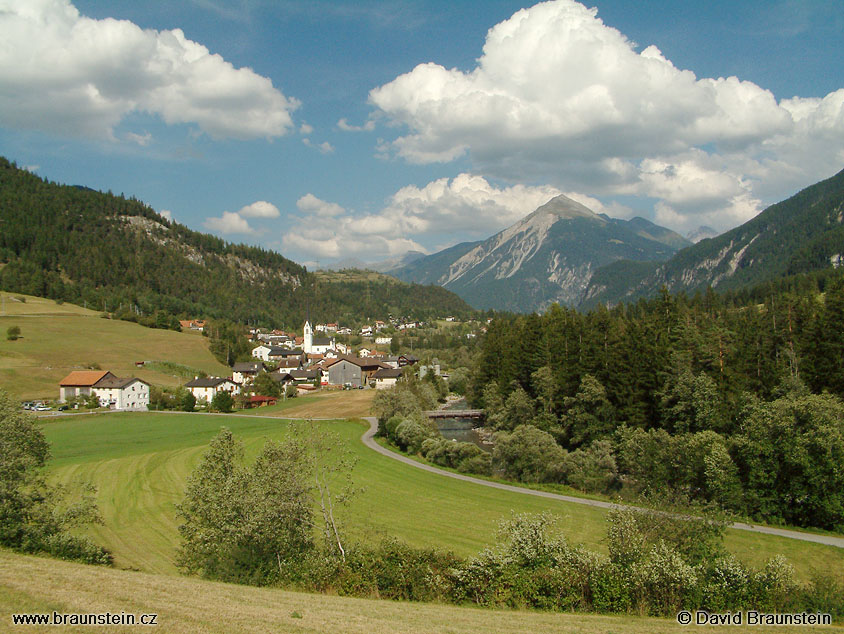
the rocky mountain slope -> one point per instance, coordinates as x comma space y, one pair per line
800, 234
548, 256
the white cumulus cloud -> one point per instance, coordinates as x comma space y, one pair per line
64, 73
259, 209
558, 96
344, 125
466, 205
310, 204
230, 222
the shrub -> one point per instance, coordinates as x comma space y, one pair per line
662, 581
410, 435
774, 584
610, 590
726, 585
592, 469
529, 454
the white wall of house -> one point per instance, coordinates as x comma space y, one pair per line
207, 393
134, 396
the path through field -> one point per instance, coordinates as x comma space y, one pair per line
369, 440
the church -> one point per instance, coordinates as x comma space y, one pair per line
318, 345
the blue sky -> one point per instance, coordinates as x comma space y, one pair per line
358, 130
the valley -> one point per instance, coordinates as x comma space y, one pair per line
139, 464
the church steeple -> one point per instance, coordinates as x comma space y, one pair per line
308, 337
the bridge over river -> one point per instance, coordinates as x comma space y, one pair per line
455, 413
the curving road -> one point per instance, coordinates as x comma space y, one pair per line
369, 441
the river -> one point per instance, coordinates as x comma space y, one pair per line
461, 430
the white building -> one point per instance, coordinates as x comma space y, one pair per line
319, 345
261, 352
205, 389
124, 394
112, 391
386, 377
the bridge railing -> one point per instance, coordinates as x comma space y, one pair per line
455, 413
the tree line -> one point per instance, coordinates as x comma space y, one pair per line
734, 399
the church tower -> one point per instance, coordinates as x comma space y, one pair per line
309, 338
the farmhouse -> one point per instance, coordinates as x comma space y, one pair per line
261, 352
386, 377
112, 391
205, 389
352, 370
124, 394
246, 372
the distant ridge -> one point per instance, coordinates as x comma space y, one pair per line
547, 256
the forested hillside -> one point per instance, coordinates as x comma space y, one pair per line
118, 255
801, 234
734, 399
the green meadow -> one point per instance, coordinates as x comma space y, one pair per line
139, 464
59, 338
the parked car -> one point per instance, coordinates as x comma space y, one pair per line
62, 408
42, 408
29, 405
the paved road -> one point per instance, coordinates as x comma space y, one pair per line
369, 441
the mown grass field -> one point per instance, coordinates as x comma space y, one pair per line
139, 463
187, 605
321, 404
59, 338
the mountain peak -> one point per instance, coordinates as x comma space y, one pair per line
564, 207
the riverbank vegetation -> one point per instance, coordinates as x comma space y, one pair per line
733, 400
240, 525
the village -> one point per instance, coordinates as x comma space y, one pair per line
283, 365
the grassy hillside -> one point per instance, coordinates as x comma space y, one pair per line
183, 605
139, 463
58, 338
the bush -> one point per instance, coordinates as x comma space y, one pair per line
222, 402
662, 582
610, 589
726, 585
410, 435
528, 454
592, 469
13, 333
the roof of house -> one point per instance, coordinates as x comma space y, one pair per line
117, 382
257, 398
361, 363
207, 382
305, 374
84, 378
387, 373
248, 366
321, 341
278, 351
